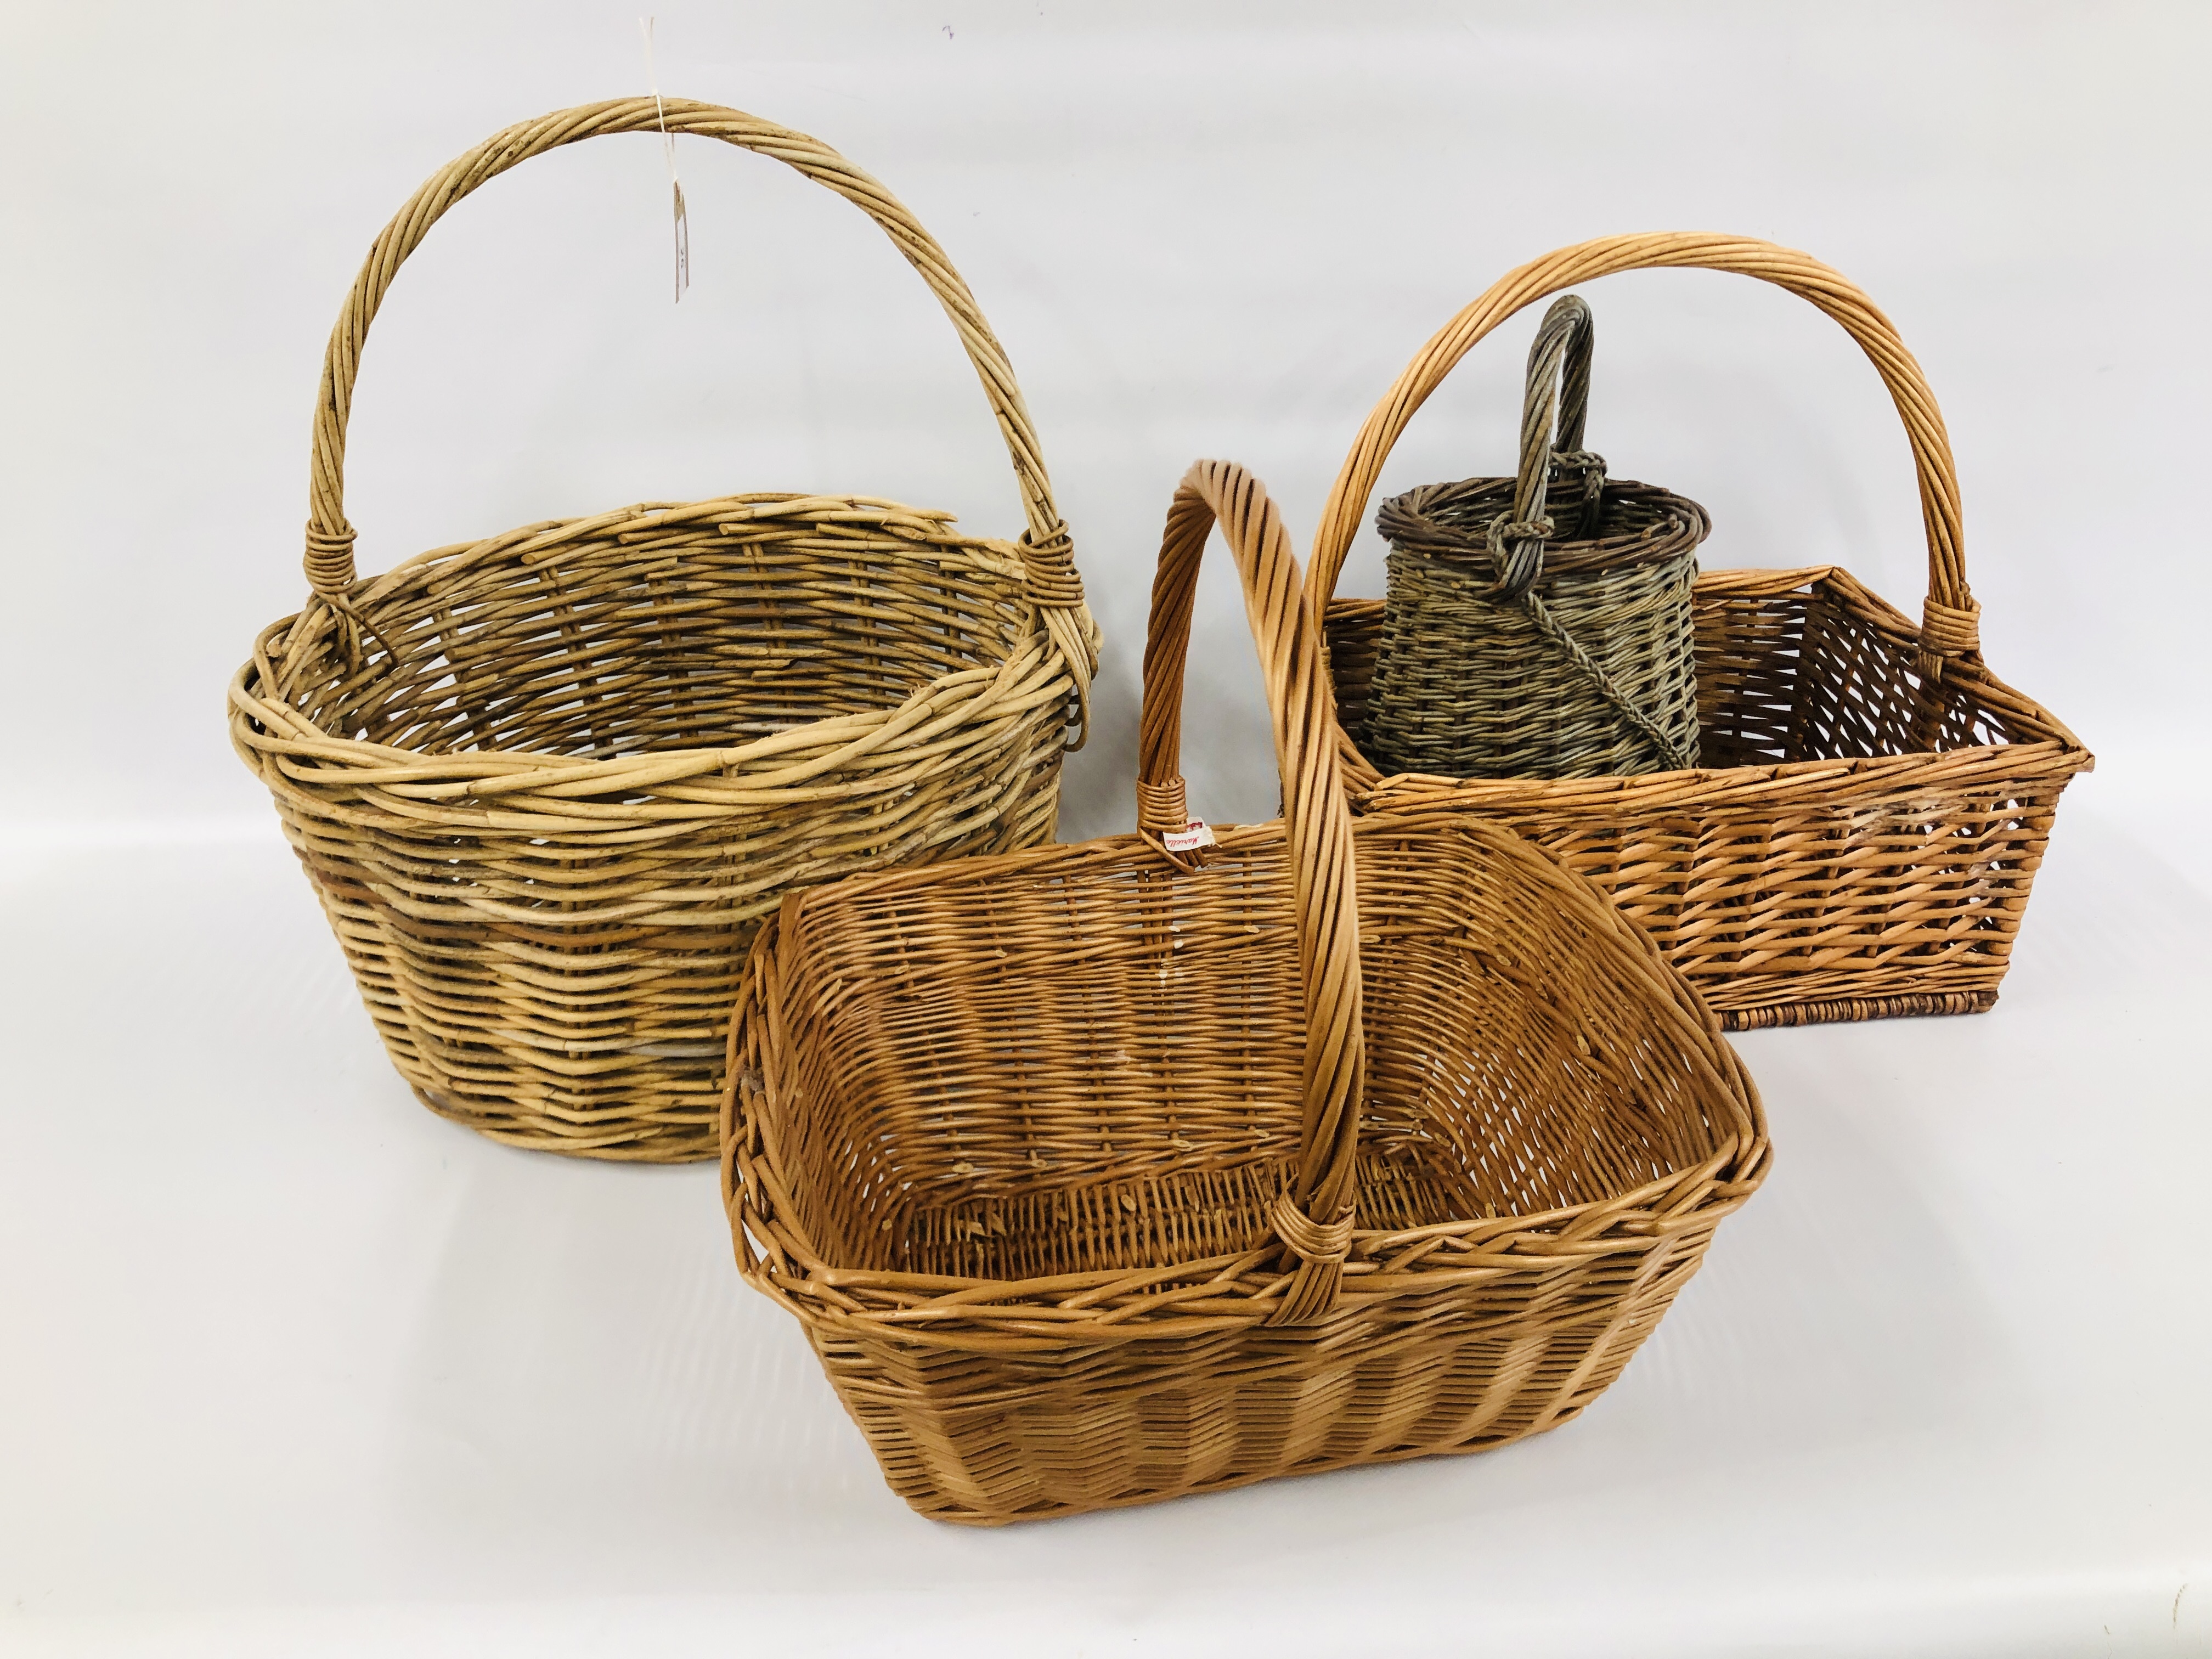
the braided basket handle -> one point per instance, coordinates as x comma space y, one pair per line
1315, 1218
1570, 320
1555, 409
1046, 548
1949, 626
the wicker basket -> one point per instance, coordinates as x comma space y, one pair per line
1096, 1176
1874, 802
1533, 634
547, 783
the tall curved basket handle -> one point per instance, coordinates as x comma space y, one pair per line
1554, 410
1949, 628
1047, 551
1313, 1219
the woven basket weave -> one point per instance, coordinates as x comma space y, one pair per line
1096, 1175
546, 783
1532, 633
1872, 802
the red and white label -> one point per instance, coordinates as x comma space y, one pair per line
1189, 840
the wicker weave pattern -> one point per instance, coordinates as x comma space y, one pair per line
1470, 687
1874, 802
547, 783
1097, 1176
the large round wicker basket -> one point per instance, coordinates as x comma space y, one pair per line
547, 783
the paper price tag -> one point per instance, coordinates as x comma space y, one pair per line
1189, 840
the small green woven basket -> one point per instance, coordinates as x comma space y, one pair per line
1539, 626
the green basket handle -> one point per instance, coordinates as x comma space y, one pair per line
1555, 408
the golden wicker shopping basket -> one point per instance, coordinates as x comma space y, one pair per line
1872, 803
1096, 1175
1539, 626
546, 784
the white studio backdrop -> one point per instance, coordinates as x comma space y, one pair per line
290, 1366
1200, 230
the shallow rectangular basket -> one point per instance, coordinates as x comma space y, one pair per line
1872, 803
1098, 1174
546, 784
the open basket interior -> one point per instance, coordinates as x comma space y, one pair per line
1094, 1063
707, 625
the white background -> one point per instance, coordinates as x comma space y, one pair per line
287, 1365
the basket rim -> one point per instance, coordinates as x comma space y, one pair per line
1405, 521
1750, 792
1035, 670
2058, 751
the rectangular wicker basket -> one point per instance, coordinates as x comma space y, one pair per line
1101, 1174
1872, 803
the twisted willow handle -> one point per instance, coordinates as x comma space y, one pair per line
329, 561
1554, 407
1313, 1219
1950, 621
1569, 316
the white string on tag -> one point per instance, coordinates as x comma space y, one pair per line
675, 185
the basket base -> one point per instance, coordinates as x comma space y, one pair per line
627, 1142
958, 1518
1843, 1009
